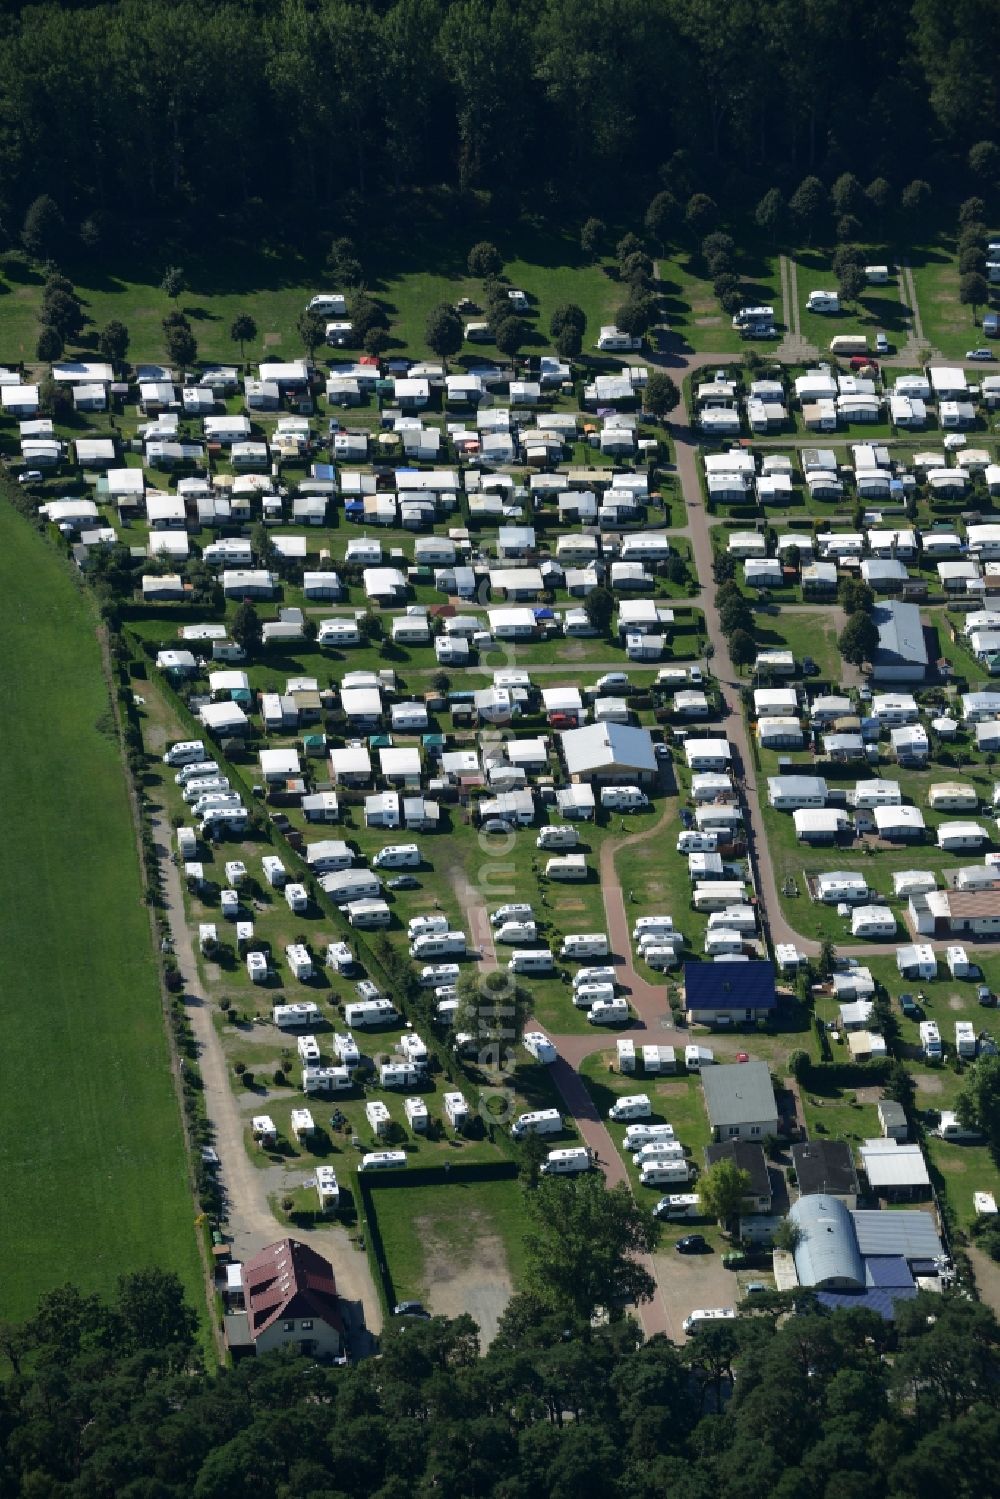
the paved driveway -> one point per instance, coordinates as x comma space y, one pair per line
687, 1281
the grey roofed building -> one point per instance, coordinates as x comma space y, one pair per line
826, 1166
603, 749
739, 1100
901, 655
748, 1156
827, 1253
909, 1232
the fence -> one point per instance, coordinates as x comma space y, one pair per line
419, 1176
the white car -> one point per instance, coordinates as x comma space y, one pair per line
980, 354
612, 681
30, 476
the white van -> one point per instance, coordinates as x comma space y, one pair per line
703, 1315
691, 842
949, 1128
397, 856
623, 798
400, 1075
632, 1106
540, 1122
609, 1012
665, 937
216, 801
592, 994
203, 786
446, 1010
849, 343
652, 924
532, 960
556, 836
566, 867
516, 933
196, 771
538, 1045
661, 959
679, 1205
329, 304
436, 974
584, 945
663, 1173
562, 1162
519, 912
612, 340
439, 945
422, 926
382, 1160
594, 976
638, 1135
370, 1012
697, 1057
658, 1150
187, 752
823, 301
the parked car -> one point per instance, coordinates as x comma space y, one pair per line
881, 344
809, 667
30, 476
210, 1156
983, 354
403, 882
909, 1006
410, 1309
985, 995
693, 1244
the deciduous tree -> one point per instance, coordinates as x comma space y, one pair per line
113, 341
242, 331
582, 1245
485, 260
444, 332
858, 639
973, 291
660, 394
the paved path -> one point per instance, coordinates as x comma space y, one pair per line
578, 1102
917, 348
648, 1000
250, 1221
794, 349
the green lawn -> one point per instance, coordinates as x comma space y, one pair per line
879, 310
947, 324
94, 1180
411, 272
692, 311
812, 635
427, 1229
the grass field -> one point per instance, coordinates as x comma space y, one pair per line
434, 1234
93, 1179
411, 274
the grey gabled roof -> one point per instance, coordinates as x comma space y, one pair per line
900, 635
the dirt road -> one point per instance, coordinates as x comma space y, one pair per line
250, 1219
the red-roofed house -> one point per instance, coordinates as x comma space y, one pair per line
291, 1297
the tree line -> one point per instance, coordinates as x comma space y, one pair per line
141, 109
108, 1399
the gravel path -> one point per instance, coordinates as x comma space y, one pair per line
250, 1220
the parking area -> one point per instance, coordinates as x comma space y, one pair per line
692, 1280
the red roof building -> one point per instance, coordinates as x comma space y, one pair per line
291, 1297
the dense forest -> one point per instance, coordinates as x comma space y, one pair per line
143, 109
106, 1401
